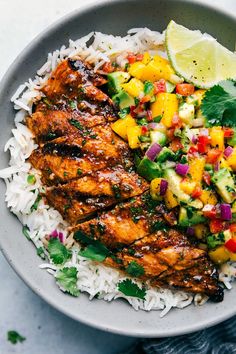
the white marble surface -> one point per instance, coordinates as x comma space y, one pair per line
46, 330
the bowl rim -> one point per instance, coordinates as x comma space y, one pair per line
76, 316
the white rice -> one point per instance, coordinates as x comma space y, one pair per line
93, 278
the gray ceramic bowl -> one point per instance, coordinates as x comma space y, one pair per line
110, 17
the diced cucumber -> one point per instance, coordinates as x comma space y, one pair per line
158, 137
149, 169
115, 80
165, 154
186, 113
224, 183
185, 220
123, 99
169, 87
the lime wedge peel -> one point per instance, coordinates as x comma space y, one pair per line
197, 57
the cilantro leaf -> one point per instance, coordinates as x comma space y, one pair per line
57, 251
128, 288
25, 231
36, 203
96, 252
40, 252
148, 87
67, 279
98, 247
219, 104
135, 269
14, 337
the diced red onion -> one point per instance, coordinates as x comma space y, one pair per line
228, 151
194, 139
152, 125
182, 169
190, 231
163, 187
217, 166
54, 234
225, 212
153, 151
61, 237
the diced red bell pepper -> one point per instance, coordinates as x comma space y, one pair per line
202, 148
185, 89
210, 213
207, 178
197, 192
192, 150
139, 57
216, 226
232, 227
159, 86
144, 130
176, 145
213, 155
132, 111
228, 132
131, 58
231, 245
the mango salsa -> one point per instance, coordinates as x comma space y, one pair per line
134, 87
166, 105
121, 125
133, 134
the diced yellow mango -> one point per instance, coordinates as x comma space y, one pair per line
188, 186
136, 69
166, 105
208, 197
134, 87
200, 230
155, 188
196, 168
231, 160
170, 200
224, 163
121, 125
217, 138
157, 68
232, 256
133, 134
146, 58
220, 255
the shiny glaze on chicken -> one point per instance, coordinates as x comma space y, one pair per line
90, 179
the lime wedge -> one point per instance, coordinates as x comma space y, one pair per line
198, 57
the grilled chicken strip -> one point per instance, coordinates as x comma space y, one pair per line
126, 223
68, 77
88, 168
81, 198
69, 157
52, 124
168, 259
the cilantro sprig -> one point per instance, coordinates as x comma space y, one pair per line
219, 104
14, 337
58, 253
135, 269
129, 288
67, 279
